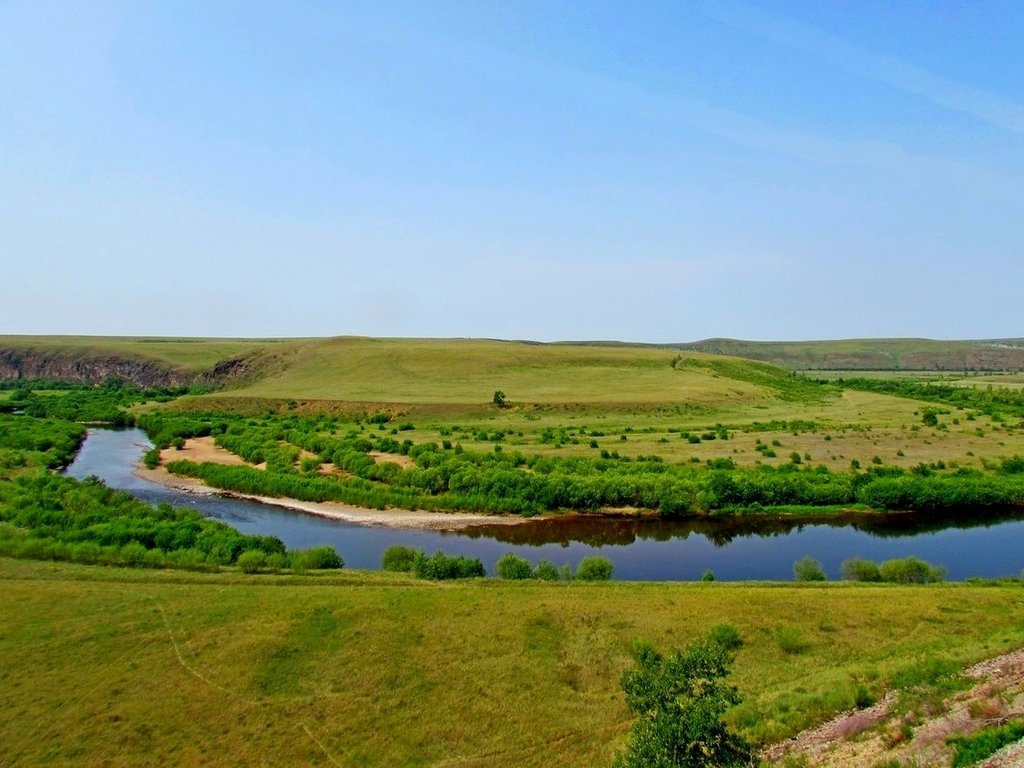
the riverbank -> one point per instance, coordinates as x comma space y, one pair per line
390, 518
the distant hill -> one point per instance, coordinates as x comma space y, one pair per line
450, 372
355, 369
874, 354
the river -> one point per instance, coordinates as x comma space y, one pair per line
656, 550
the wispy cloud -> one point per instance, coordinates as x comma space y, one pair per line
984, 105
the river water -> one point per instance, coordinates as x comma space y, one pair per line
657, 550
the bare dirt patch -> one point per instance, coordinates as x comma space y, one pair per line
918, 737
200, 449
395, 458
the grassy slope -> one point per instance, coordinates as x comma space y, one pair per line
874, 354
114, 667
469, 371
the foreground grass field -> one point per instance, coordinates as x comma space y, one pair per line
129, 667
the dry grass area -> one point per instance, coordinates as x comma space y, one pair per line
849, 426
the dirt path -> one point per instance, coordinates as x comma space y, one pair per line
880, 734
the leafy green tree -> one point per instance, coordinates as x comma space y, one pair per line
511, 566
594, 568
400, 559
680, 700
499, 398
808, 569
545, 571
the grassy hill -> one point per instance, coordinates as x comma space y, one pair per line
110, 666
469, 371
409, 371
875, 354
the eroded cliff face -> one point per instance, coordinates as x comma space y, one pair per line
91, 368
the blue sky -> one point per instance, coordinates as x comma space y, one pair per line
661, 171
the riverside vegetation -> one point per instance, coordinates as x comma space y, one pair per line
519, 671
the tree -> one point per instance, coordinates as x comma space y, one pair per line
499, 398
511, 566
808, 569
680, 700
594, 568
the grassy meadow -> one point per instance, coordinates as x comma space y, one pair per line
115, 667
649, 395
155, 664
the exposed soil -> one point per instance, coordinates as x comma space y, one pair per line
396, 458
200, 449
885, 733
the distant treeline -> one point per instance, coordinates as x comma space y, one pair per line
69, 401
446, 477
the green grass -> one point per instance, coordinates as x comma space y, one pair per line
444, 371
118, 667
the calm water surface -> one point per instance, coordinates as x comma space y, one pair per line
641, 549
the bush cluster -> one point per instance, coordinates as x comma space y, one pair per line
45, 516
908, 570
436, 567
446, 477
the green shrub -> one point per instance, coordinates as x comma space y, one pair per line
985, 743
726, 636
400, 559
858, 569
133, 554
440, 566
911, 570
808, 569
545, 571
511, 566
275, 562
151, 458
708, 576
594, 568
789, 640
1012, 466
862, 697
252, 561
679, 701
316, 559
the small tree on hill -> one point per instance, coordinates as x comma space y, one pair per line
680, 700
499, 398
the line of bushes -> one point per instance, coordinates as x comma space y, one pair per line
46, 516
436, 567
448, 477
514, 568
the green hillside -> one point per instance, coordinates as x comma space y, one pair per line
469, 371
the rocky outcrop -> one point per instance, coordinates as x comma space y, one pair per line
88, 367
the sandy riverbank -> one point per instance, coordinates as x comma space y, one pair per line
391, 518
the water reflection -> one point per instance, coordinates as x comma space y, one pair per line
763, 547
